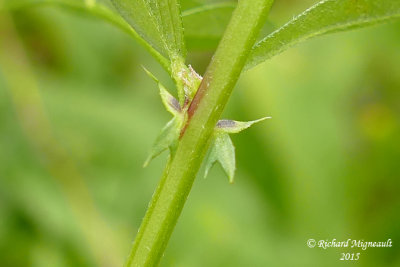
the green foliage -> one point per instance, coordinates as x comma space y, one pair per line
168, 137
203, 114
159, 26
158, 22
170, 103
222, 149
325, 17
231, 127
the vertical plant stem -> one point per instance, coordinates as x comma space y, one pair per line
204, 112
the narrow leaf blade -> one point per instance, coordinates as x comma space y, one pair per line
171, 18
325, 17
231, 126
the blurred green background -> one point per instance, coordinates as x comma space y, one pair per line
76, 127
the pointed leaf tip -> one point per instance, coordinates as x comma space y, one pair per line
231, 126
151, 75
170, 102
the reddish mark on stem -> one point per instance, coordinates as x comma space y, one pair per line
196, 101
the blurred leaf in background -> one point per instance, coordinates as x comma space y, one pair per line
326, 165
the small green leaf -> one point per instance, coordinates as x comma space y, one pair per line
222, 151
170, 103
325, 17
167, 138
231, 126
157, 21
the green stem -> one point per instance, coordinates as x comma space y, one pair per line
204, 112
